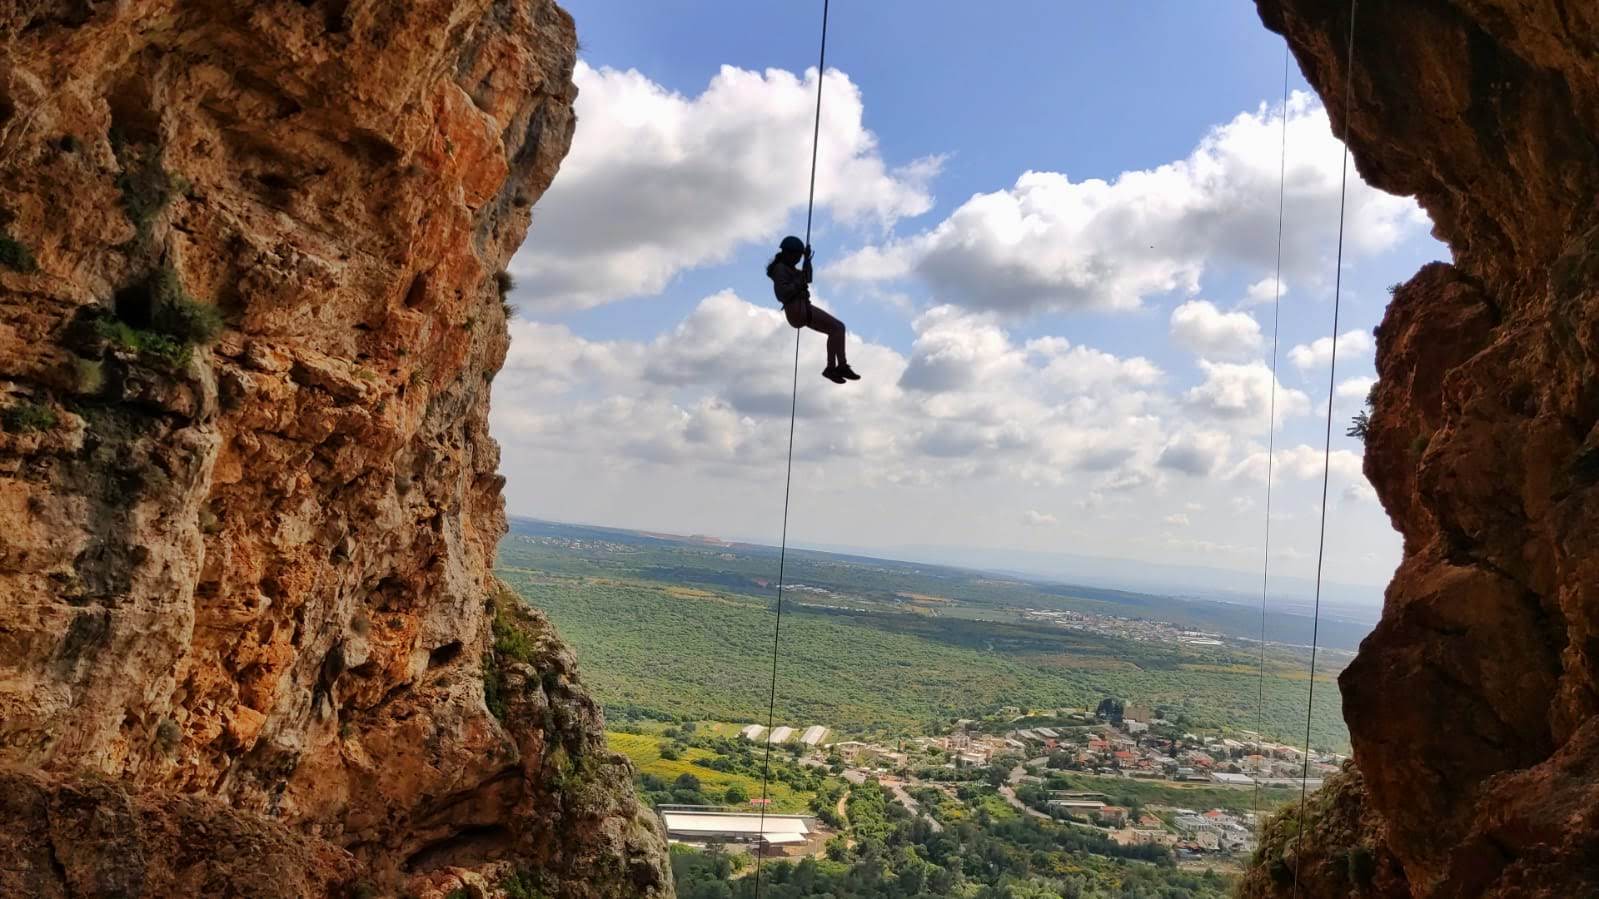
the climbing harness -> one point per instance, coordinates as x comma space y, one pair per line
788, 478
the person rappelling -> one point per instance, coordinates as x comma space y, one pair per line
792, 285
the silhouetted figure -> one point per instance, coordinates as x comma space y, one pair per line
791, 284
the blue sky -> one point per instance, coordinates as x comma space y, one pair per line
1052, 361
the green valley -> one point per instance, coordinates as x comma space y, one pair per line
682, 630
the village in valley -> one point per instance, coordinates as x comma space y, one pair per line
1068, 766
935, 730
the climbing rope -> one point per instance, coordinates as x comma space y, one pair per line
1271, 432
788, 478
1326, 459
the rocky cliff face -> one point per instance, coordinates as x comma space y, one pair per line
251, 294
1472, 706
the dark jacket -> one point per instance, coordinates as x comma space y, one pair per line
789, 284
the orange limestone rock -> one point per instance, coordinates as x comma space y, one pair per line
1472, 707
250, 309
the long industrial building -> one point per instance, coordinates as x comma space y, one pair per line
700, 825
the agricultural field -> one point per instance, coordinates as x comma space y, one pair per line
645, 752
1131, 793
682, 631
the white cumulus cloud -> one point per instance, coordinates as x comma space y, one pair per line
658, 182
1355, 388
1051, 243
1303, 462
1209, 332
1318, 353
1265, 291
1241, 394
1197, 453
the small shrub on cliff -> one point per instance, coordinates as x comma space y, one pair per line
494, 690
510, 640
25, 417
14, 255
522, 885
1362, 866
176, 320
513, 642
168, 734
178, 314
505, 283
146, 187
150, 345
1360, 425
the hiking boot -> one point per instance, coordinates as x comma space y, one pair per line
832, 374
844, 371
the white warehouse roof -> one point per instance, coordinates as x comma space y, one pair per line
703, 825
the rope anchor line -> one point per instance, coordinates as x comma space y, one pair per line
1326, 463
1271, 429
788, 478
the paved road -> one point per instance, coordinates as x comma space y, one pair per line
911, 805
1009, 792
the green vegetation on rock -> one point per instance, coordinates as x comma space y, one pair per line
1332, 842
150, 345
178, 314
178, 322
26, 417
16, 256
145, 185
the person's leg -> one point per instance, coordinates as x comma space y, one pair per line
795, 313
834, 329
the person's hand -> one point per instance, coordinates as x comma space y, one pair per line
809, 253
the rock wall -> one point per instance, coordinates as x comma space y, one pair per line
1336, 852
1471, 708
251, 285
